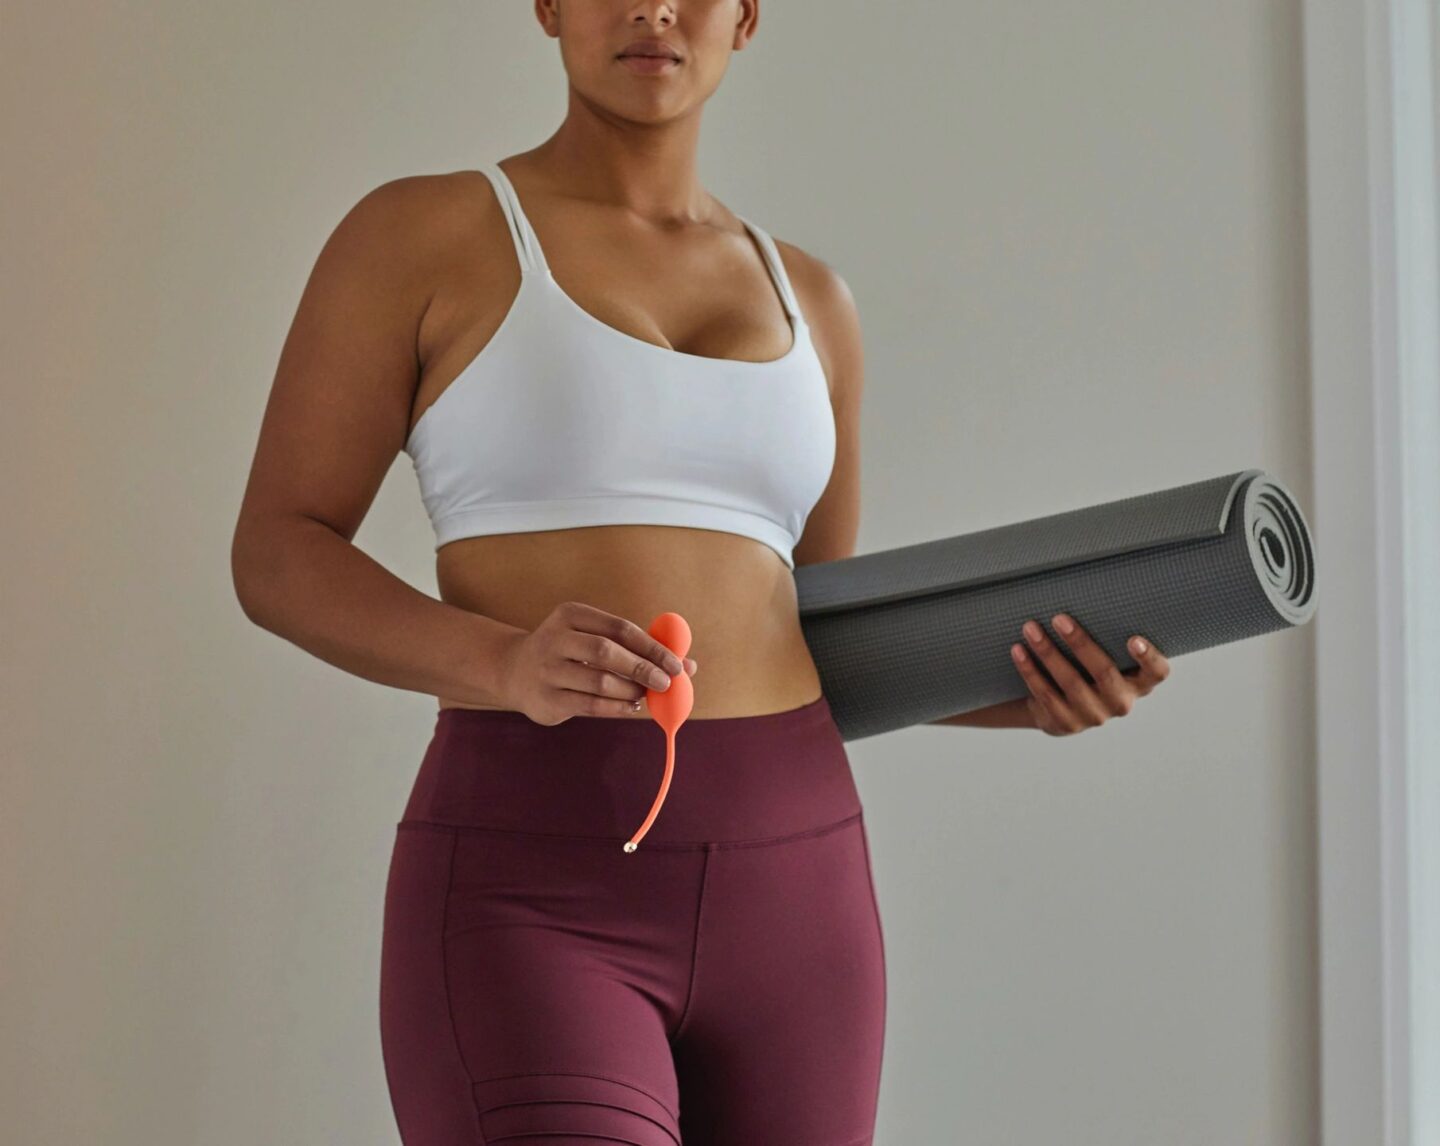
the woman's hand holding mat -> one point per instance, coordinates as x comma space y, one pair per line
1063, 700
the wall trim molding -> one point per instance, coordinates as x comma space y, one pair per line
1371, 142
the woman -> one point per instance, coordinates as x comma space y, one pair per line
621, 399
610, 390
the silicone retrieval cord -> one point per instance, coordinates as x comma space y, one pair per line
669, 707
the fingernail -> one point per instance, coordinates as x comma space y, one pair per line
662, 682
1138, 645
1062, 623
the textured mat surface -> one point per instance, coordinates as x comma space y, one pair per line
908, 635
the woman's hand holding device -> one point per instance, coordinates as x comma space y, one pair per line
583, 661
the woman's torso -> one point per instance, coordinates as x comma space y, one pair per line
709, 296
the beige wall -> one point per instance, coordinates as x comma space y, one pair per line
1075, 232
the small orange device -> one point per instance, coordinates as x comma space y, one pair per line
670, 707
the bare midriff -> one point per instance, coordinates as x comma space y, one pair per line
736, 594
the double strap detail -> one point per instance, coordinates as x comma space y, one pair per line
527, 245
532, 257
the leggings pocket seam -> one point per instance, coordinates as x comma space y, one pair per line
445, 981
694, 952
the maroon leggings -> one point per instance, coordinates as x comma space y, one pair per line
723, 985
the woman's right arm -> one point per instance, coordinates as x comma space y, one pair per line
337, 415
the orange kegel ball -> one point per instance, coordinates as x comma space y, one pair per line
672, 706
668, 707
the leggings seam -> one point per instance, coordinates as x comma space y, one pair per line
694, 949
630, 1110
611, 841
880, 933
445, 980
655, 1098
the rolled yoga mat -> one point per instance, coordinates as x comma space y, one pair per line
909, 635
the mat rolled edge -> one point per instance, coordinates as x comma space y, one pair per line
1274, 525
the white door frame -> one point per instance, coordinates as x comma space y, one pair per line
1371, 144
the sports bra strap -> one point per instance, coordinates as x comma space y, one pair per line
777, 268
527, 245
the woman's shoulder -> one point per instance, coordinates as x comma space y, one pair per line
401, 242
424, 212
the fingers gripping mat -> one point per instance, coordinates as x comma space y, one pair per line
909, 635
536, 1109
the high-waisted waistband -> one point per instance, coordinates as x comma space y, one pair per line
737, 778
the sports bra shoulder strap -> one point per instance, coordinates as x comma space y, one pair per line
777, 268
527, 246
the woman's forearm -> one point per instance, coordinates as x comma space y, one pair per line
1006, 714
302, 581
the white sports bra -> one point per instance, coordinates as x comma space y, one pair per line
562, 421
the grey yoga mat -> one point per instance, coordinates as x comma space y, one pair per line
908, 635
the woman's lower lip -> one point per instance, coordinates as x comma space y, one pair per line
650, 65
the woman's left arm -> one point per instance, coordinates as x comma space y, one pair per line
1060, 703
